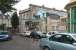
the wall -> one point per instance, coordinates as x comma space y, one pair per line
72, 0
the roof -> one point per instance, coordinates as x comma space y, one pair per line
69, 5
46, 7
26, 10
23, 11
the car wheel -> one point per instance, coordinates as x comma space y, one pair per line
46, 48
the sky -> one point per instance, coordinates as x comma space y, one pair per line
58, 4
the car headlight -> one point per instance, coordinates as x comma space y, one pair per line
6, 35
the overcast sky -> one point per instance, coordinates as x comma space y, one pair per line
58, 4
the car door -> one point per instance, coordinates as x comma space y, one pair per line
60, 42
54, 42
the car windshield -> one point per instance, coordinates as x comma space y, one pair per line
3, 33
74, 36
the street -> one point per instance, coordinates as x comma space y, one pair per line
19, 43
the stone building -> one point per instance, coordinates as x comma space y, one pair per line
63, 24
40, 18
5, 20
72, 0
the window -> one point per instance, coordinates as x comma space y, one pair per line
43, 14
6, 16
49, 33
55, 38
36, 16
67, 39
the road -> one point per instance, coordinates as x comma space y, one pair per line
19, 43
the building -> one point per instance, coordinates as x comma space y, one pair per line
63, 24
71, 9
41, 18
5, 20
72, 0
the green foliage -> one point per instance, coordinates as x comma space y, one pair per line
15, 20
6, 5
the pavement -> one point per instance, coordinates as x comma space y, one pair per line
19, 43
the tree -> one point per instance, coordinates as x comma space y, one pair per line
15, 20
6, 5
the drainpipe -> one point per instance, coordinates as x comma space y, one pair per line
70, 22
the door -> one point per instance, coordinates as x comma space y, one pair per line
61, 42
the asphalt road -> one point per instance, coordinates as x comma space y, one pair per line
19, 43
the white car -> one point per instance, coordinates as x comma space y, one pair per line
26, 33
22, 33
59, 42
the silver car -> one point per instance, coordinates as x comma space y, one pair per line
59, 42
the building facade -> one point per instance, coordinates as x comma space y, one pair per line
40, 18
71, 9
63, 24
5, 20
72, 0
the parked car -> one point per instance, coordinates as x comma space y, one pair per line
37, 34
5, 35
25, 34
59, 42
51, 33
22, 33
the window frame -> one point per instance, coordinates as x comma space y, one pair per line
51, 38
